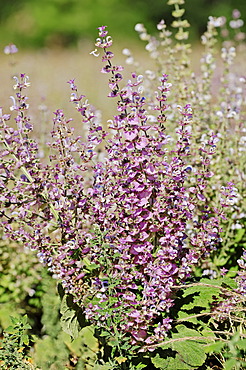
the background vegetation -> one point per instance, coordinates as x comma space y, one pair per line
34, 23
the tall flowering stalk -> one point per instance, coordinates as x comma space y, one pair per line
121, 232
217, 96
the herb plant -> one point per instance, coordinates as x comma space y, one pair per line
132, 220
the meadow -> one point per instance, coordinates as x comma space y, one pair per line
123, 229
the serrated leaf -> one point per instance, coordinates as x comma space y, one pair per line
203, 295
190, 352
72, 317
168, 363
86, 342
184, 332
200, 296
229, 282
185, 316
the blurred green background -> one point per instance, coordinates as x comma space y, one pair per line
39, 23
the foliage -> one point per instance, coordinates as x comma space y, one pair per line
15, 344
142, 224
22, 280
20, 273
43, 309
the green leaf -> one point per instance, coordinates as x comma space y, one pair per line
168, 363
90, 266
72, 317
159, 362
113, 342
140, 366
239, 236
190, 352
201, 296
231, 364
25, 339
214, 347
228, 282
14, 320
204, 295
241, 344
187, 317
126, 346
207, 332
104, 334
84, 347
10, 330
24, 320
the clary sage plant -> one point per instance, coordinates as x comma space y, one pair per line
124, 218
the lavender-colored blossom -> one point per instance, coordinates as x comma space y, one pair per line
10, 49
123, 231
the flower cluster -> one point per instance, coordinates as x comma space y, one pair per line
10, 49
122, 231
216, 93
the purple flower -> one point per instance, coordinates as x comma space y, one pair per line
10, 49
123, 227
